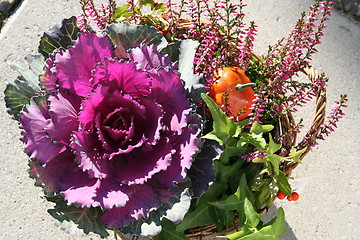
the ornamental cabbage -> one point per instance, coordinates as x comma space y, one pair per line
109, 130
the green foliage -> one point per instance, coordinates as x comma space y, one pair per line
283, 183
151, 18
258, 129
169, 231
223, 127
271, 160
296, 154
76, 219
59, 36
236, 200
122, 13
254, 229
19, 92
126, 36
202, 213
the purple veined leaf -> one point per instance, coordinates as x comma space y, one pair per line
49, 80
168, 90
126, 36
202, 171
148, 58
134, 169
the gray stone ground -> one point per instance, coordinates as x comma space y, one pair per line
329, 205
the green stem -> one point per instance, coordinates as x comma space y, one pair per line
241, 87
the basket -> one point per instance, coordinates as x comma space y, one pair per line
288, 165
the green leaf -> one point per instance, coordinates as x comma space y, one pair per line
203, 213
239, 235
252, 217
296, 154
59, 36
275, 162
272, 147
231, 152
276, 226
256, 140
31, 74
263, 193
257, 128
223, 127
228, 173
76, 219
122, 13
169, 231
19, 93
224, 219
146, 2
283, 183
126, 36
236, 200
270, 231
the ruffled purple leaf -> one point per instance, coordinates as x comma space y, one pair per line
89, 154
34, 121
48, 80
122, 76
81, 189
49, 175
148, 58
73, 67
64, 109
168, 196
135, 168
139, 205
168, 91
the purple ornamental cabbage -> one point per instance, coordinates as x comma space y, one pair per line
113, 133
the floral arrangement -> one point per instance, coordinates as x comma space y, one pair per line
158, 119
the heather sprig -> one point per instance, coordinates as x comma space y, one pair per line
220, 29
101, 16
327, 127
280, 92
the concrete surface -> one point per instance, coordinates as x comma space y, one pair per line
329, 205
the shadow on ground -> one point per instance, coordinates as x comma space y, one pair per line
7, 8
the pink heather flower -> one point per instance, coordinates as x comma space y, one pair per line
113, 133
